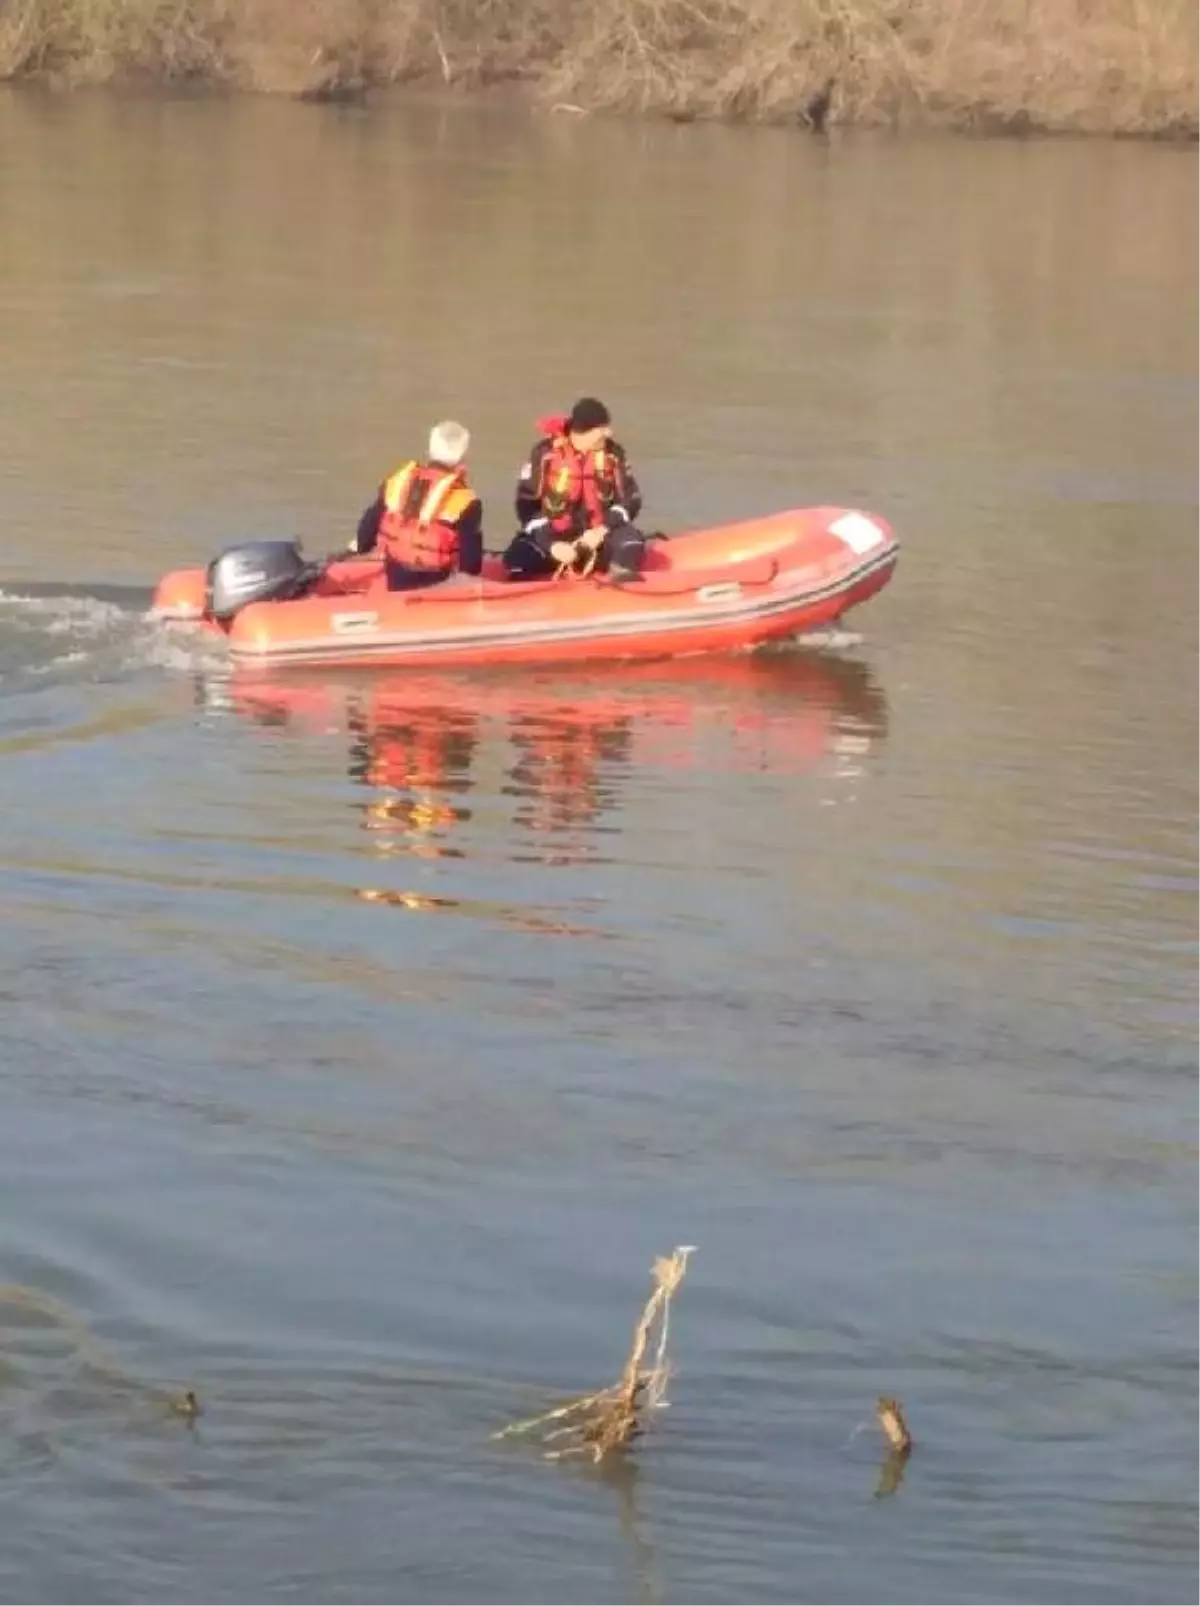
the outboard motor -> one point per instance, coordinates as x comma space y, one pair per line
259, 571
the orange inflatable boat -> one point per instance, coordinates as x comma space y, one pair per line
716, 590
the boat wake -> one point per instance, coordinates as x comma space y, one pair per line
833, 638
54, 633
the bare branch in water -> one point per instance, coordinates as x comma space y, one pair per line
597, 1424
890, 1416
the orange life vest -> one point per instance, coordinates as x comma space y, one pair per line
422, 504
573, 480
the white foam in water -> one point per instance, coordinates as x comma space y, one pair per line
167, 644
835, 637
60, 662
103, 637
60, 615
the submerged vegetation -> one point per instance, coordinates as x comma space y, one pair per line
1100, 66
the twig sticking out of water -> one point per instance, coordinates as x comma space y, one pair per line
890, 1416
597, 1424
187, 1405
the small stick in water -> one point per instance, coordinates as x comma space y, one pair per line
187, 1405
890, 1416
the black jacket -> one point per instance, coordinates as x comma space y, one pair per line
624, 507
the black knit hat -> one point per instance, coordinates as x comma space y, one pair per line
588, 413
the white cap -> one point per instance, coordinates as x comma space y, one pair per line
448, 443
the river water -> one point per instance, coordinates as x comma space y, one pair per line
363, 1040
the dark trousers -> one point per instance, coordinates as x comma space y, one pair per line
401, 578
526, 558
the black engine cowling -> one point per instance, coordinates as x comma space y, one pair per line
259, 571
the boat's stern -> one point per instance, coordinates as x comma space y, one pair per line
179, 595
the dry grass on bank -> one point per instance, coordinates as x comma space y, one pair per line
1103, 66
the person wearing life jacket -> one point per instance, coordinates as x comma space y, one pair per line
577, 500
426, 520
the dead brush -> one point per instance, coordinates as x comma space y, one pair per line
1085, 66
597, 1424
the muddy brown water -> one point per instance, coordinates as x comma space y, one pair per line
362, 1039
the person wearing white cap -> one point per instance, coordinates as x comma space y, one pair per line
427, 520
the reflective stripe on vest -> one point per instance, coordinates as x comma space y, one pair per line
573, 480
421, 508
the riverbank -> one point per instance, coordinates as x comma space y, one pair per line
1117, 67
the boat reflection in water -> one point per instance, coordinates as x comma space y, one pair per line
552, 753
